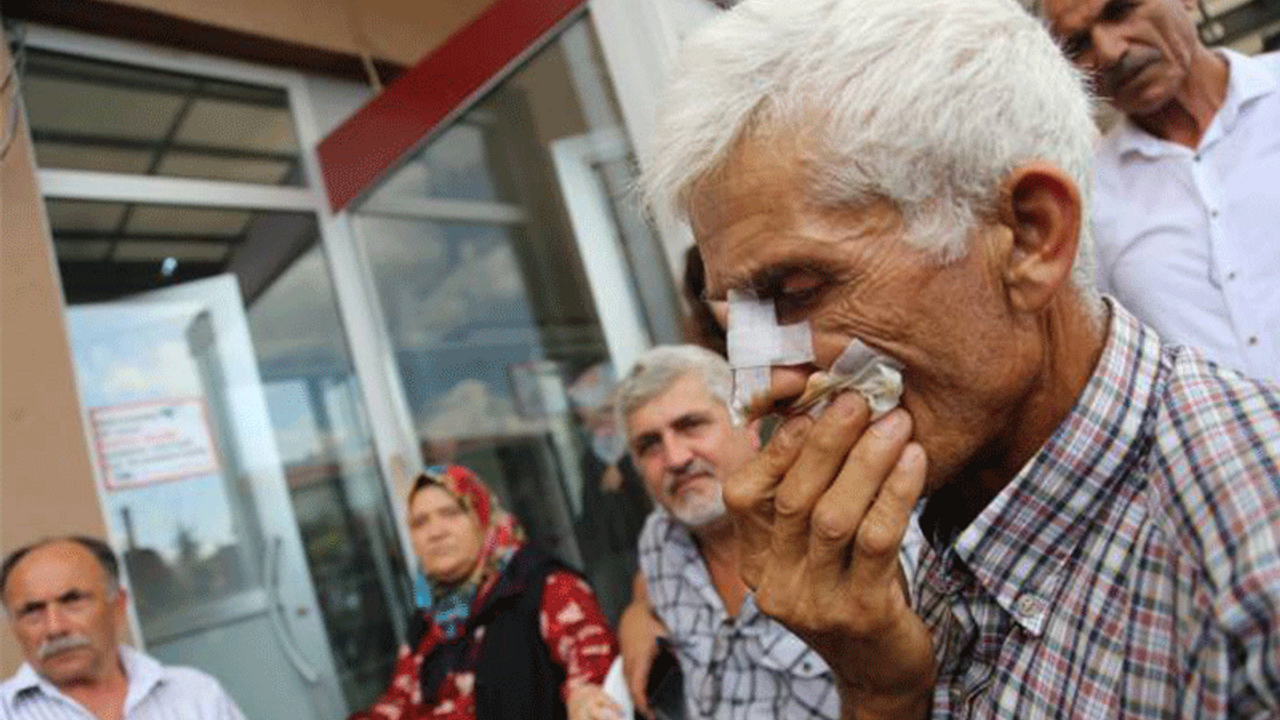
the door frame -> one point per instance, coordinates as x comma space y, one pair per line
392, 434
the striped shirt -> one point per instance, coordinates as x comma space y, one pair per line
156, 692
1132, 568
734, 668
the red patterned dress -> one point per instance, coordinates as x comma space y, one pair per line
572, 625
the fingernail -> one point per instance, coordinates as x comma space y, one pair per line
912, 456
891, 426
846, 403
793, 427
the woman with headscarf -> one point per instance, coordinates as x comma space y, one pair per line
504, 631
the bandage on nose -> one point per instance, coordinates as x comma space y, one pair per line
756, 343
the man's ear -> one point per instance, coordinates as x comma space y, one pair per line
1041, 206
119, 608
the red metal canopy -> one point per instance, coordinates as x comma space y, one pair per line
427, 96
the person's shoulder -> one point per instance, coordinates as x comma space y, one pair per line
1108, 155
190, 678
190, 687
1200, 389
657, 525
1270, 61
23, 677
1217, 434
1211, 487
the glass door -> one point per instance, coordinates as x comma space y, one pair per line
236, 450
192, 480
504, 314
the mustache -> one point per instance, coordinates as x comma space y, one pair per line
695, 467
62, 644
1113, 76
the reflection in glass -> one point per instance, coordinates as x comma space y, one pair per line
95, 115
487, 307
156, 409
332, 473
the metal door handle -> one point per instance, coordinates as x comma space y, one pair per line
271, 573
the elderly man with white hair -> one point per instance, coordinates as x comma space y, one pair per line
907, 182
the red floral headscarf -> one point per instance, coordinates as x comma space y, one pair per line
503, 534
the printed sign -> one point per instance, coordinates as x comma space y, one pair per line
155, 441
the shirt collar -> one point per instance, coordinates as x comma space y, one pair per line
23, 681
1247, 79
1019, 547
687, 561
142, 672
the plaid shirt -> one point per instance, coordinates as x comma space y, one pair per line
1132, 568
734, 668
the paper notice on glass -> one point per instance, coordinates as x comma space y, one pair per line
155, 441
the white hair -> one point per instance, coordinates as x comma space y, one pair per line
658, 368
929, 104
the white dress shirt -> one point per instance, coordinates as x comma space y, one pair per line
1189, 239
156, 692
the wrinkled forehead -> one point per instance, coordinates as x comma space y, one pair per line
53, 569
1067, 16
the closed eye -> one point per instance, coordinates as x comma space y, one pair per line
1076, 45
1116, 11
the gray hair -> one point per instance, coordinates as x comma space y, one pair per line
659, 368
929, 104
101, 552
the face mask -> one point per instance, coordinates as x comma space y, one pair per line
608, 446
756, 343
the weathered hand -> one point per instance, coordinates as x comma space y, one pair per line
821, 513
638, 633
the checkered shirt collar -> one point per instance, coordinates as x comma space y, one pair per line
1021, 543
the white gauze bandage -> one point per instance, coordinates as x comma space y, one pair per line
756, 343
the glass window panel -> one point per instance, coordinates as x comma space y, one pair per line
186, 524
493, 324
82, 249
227, 124
265, 172
193, 544
111, 112
334, 482
203, 221
93, 115
158, 250
79, 215
457, 165
68, 156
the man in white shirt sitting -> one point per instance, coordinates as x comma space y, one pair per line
65, 605
1188, 182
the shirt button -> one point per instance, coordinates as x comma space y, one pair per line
1213, 213
1253, 341
1029, 606
1197, 156
1231, 276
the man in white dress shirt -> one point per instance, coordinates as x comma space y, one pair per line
1188, 182
65, 606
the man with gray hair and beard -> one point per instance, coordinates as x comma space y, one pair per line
736, 663
65, 606
909, 180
